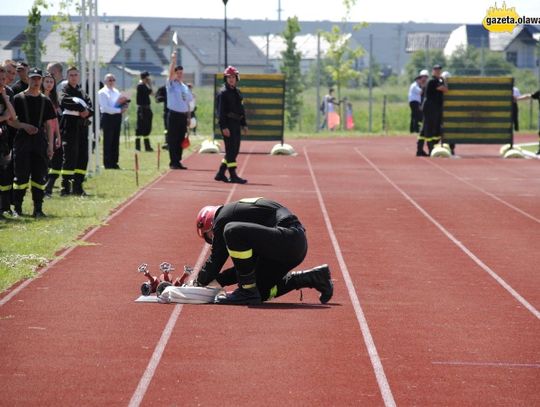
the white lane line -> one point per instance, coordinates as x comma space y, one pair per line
150, 370
454, 240
64, 253
487, 364
384, 387
485, 192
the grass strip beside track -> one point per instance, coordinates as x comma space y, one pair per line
27, 244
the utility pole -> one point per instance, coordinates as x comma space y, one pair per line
370, 83
124, 61
318, 82
398, 54
225, 29
279, 10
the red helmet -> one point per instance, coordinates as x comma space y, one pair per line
230, 71
205, 220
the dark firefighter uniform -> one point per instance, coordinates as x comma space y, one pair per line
30, 151
55, 163
536, 95
7, 137
264, 240
432, 109
144, 117
232, 116
74, 131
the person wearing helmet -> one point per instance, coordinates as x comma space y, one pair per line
265, 242
232, 121
416, 91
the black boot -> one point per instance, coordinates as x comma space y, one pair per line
50, 184
38, 210
246, 293
220, 175
420, 149
78, 185
318, 277
235, 178
147, 146
66, 186
137, 143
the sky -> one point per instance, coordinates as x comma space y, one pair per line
453, 11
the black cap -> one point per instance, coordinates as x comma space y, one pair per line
21, 65
437, 66
145, 74
35, 72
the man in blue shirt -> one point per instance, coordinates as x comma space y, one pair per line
178, 98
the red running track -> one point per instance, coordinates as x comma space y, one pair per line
436, 291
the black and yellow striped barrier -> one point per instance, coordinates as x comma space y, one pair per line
264, 104
478, 110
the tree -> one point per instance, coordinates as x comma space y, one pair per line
417, 62
67, 29
473, 61
33, 47
290, 67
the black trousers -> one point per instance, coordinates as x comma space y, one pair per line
432, 123
176, 133
30, 163
111, 125
232, 144
515, 116
74, 147
144, 121
6, 185
416, 117
275, 251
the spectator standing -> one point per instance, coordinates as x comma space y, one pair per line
6, 179
33, 144
144, 113
416, 91
6, 167
161, 97
112, 106
328, 108
57, 72
193, 110
48, 88
432, 109
22, 83
535, 95
76, 110
178, 99
515, 110
232, 122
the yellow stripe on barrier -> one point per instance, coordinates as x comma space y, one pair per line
481, 79
258, 77
477, 93
269, 112
477, 103
260, 101
249, 89
475, 125
246, 254
472, 114
480, 136
268, 133
258, 122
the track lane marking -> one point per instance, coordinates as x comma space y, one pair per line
378, 369
150, 371
486, 192
454, 240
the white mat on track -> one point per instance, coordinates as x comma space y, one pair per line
183, 295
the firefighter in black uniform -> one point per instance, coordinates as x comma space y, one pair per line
33, 145
144, 113
535, 95
232, 120
76, 110
7, 113
432, 109
265, 242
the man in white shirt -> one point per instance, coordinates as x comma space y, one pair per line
415, 103
111, 105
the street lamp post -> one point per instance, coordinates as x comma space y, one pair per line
225, 29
